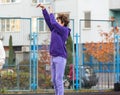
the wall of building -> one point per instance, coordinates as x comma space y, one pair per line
114, 4
75, 8
99, 11
22, 8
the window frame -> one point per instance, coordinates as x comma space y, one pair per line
38, 1
10, 2
36, 25
87, 17
45, 27
10, 24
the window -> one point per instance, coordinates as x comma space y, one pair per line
9, 25
13, 0
8, 1
87, 16
2, 24
47, 0
42, 27
40, 1
34, 1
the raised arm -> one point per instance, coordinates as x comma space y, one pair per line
55, 23
46, 16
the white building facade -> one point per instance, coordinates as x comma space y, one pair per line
24, 14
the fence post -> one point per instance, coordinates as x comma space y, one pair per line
34, 61
117, 59
77, 63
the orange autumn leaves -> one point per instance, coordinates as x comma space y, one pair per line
103, 51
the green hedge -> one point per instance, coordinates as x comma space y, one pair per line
15, 81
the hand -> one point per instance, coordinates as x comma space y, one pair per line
41, 6
50, 9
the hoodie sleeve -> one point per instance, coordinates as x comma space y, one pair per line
47, 19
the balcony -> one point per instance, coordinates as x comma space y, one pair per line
114, 4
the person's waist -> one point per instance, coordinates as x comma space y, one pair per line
57, 56
54, 56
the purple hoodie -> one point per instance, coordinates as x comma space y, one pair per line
59, 35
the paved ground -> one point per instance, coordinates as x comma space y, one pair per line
76, 93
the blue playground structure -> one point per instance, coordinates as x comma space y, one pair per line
117, 58
77, 84
34, 60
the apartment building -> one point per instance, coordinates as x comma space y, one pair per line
20, 17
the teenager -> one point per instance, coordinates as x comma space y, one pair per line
58, 52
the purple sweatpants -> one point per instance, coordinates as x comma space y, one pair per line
57, 72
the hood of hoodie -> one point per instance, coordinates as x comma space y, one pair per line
69, 30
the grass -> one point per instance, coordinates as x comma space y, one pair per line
4, 91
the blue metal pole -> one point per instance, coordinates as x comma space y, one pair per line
34, 62
91, 60
80, 55
101, 67
83, 59
34, 46
117, 60
77, 60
